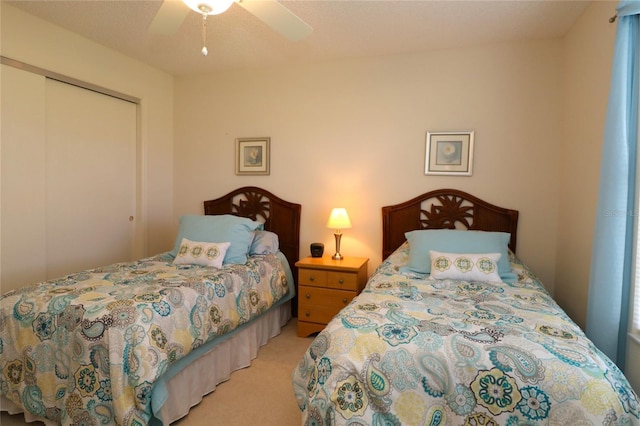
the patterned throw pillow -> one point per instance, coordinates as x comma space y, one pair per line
465, 266
200, 253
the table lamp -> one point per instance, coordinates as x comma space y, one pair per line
339, 219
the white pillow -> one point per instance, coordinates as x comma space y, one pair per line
465, 266
201, 253
264, 242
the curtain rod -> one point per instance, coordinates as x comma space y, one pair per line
613, 18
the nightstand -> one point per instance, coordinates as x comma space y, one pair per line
325, 286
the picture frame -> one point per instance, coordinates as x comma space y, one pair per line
449, 153
253, 156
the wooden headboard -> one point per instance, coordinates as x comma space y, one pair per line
279, 216
444, 209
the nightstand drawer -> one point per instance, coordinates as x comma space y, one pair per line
330, 279
320, 305
342, 280
325, 297
313, 277
317, 314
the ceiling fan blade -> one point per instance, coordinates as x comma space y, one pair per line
278, 17
169, 17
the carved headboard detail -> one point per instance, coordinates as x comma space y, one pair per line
444, 209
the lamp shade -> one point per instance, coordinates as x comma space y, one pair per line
339, 219
209, 7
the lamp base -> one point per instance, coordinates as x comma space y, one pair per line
337, 256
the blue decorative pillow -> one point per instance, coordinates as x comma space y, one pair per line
218, 229
264, 242
457, 241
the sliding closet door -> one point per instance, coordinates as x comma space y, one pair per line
91, 179
22, 194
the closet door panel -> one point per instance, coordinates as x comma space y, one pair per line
22, 192
91, 179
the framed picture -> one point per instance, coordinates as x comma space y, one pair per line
252, 156
449, 153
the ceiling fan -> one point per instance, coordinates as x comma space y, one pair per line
173, 12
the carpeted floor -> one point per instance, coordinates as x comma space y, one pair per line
259, 395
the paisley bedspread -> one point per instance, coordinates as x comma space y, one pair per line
416, 351
87, 348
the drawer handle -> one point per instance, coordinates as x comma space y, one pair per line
307, 313
344, 300
308, 295
312, 278
341, 281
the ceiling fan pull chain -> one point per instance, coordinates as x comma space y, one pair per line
204, 35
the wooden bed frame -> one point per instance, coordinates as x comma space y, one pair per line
444, 209
279, 216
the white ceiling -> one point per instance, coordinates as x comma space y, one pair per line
341, 29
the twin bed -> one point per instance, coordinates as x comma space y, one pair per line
453, 329
141, 342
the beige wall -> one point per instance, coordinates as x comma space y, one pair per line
588, 52
352, 134
35, 42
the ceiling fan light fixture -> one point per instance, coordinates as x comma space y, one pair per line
209, 7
